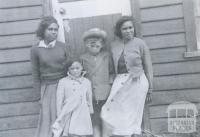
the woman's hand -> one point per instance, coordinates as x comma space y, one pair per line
149, 96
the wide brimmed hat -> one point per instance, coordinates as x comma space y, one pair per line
96, 33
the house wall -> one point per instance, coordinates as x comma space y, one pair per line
163, 28
18, 102
175, 78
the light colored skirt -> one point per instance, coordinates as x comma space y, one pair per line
123, 111
47, 114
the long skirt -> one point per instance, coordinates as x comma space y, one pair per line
123, 110
47, 114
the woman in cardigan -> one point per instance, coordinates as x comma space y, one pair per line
123, 111
48, 59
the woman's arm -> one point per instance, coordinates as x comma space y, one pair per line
147, 65
89, 98
60, 96
35, 65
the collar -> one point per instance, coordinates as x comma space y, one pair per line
43, 45
79, 80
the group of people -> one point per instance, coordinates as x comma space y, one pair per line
102, 93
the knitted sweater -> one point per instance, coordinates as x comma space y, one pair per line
48, 64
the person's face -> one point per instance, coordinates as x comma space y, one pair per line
51, 32
75, 69
94, 45
127, 30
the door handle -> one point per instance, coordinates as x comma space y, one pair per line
62, 11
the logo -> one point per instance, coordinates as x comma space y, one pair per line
182, 117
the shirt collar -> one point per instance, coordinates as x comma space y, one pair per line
43, 45
79, 80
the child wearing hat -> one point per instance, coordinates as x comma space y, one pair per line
99, 66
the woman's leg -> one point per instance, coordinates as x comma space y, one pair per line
129, 136
106, 130
75, 136
97, 131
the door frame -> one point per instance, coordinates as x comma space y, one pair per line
136, 14
135, 9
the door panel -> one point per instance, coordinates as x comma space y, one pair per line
79, 16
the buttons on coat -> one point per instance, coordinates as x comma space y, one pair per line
112, 100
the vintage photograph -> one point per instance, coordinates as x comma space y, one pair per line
99, 68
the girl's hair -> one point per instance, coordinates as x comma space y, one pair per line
70, 62
119, 24
43, 25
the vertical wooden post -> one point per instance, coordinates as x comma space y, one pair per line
135, 9
47, 7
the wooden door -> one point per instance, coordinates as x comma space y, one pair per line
79, 16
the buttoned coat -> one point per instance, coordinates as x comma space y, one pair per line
74, 105
99, 70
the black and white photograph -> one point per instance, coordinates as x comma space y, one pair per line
99, 68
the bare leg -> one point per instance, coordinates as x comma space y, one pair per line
97, 131
106, 130
128, 136
75, 136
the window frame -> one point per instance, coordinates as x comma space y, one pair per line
190, 29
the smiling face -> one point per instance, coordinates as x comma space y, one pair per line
51, 32
94, 45
75, 69
127, 30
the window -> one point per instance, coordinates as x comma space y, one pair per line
191, 10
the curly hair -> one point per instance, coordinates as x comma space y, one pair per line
43, 25
120, 22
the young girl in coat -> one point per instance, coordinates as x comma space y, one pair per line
74, 104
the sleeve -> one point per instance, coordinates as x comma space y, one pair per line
67, 56
147, 65
60, 96
67, 52
89, 97
111, 68
81, 59
35, 65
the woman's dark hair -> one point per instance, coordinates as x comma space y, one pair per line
44, 24
119, 24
